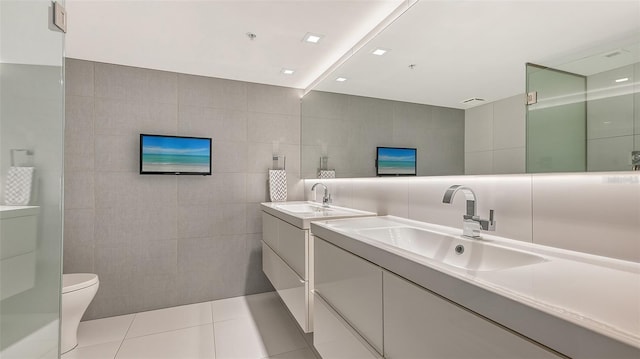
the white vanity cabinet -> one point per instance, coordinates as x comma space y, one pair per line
352, 288
287, 251
365, 311
18, 242
285, 257
421, 324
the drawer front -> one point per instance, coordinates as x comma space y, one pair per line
19, 236
292, 289
334, 338
353, 287
270, 230
288, 241
420, 324
292, 247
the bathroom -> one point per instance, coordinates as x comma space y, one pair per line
159, 242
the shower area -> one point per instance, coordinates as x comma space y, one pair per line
31, 178
584, 115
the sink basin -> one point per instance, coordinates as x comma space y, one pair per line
303, 208
469, 254
301, 213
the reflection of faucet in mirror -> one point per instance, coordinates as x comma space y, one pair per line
471, 222
326, 198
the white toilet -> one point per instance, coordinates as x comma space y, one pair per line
78, 290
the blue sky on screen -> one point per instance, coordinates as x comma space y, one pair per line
396, 154
175, 146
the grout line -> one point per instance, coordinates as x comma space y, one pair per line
125, 335
213, 332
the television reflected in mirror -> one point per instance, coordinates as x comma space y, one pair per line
176, 155
395, 161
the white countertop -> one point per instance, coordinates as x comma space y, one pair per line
303, 219
552, 302
18, 211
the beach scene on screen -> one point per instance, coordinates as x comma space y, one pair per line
394, 161
175, 154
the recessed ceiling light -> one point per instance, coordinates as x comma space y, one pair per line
622, 79
287, 71
312, 38
341, 79
379, 51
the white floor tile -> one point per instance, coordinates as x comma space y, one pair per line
98, 351
103, 330
162, 320
239, 307
194, 342
268, 331
305, 353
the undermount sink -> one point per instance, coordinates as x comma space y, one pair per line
469, 254
301, 213
303, 208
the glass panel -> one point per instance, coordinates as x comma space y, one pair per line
31, 136
556, 123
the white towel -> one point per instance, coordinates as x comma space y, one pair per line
278, 185
327, 174
18, 187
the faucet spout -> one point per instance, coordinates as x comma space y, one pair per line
326, 198
472, 224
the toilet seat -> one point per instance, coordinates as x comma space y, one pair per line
77, 281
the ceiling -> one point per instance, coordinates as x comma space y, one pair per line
209, 37
460, 49
478, 49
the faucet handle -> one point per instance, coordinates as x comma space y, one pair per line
491, 224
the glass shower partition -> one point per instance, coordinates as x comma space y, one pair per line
31, 136
556, 120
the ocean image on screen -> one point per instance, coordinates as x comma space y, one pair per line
396, 161
175, 154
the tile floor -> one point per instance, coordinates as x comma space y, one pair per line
253, 327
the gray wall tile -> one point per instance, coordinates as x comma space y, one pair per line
79, 79
158, 241
212, 92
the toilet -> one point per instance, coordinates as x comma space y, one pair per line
78, 290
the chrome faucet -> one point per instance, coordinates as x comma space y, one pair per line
326, 198
472, 224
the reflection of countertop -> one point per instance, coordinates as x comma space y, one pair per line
578, 304
17, 211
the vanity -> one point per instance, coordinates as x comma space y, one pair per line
18, 240
389, 287
287, 251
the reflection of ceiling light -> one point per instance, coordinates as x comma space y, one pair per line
379, 52
312, 38
622, 79
341, 79
287, 71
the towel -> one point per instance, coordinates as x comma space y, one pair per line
278, 185
18, 187
327, 174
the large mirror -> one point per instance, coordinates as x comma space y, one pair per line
453, 78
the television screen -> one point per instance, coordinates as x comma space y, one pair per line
393, 161
175, 155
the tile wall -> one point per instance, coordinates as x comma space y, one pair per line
597, 213
159, 241
494, 137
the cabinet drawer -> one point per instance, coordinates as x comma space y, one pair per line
19, 235
334, 338
292, 289
420, 324
353, 287
288, 241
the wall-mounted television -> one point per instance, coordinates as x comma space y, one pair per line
175, 155
396, 161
